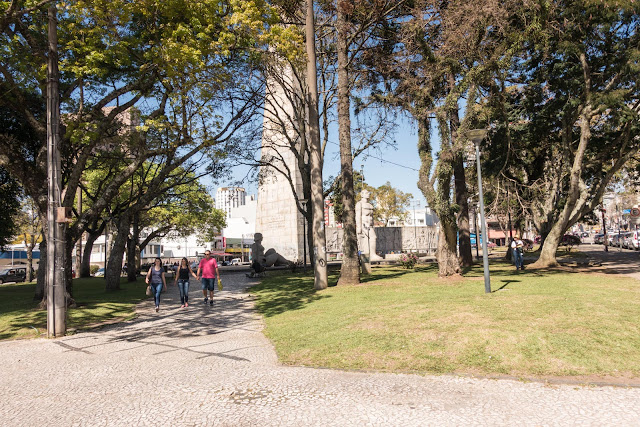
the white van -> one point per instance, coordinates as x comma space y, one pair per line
235, 261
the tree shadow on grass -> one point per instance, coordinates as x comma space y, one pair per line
282, 293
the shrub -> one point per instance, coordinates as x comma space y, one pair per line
93, 268
408, 260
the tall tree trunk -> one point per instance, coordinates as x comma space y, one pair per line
41, 275
29, 245
319, 240
78, 265
114, 266
548, 253
464, 228
448, 263
132, 252
461, 193
92, 236
350, 270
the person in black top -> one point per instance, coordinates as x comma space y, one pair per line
182, 279
155, 278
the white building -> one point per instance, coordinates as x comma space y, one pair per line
228, 198
419, 217
241, 220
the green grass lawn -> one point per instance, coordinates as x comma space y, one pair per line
533, 324
20, 318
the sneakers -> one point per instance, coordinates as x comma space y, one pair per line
157, 309
211, 303
206, 300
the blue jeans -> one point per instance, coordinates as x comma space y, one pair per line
156, 288
208, 283
517, 258
183, 285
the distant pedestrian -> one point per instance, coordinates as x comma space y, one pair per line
208, 271
517, 247
183, 274
155, 278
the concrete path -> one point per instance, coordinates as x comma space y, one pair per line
212, 366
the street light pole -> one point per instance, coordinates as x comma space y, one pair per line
415, 225
477, 135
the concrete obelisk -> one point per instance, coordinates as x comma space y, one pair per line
278, 218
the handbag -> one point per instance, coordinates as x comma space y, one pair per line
149, 292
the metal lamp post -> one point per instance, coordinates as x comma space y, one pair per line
415, 224
303, 202
477, 135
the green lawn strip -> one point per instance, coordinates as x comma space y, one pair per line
20, 317
549, 323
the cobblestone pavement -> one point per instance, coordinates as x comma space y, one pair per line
212, 366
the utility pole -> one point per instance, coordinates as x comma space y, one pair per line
55, 280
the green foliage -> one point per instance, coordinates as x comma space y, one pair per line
389, 202
93, 269
10, 193
334, 192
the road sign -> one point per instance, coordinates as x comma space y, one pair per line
634, 216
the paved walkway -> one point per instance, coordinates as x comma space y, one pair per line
212, 366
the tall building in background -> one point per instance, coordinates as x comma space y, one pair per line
228, 198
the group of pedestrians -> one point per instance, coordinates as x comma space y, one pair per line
207, 273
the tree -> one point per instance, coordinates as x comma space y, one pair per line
389, 202
317, 200
30, 231
175, 60
567, 113
9, 214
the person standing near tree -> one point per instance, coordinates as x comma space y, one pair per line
208, 271
155, 278
517, 246
183, 273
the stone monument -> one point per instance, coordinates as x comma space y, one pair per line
262, 259
365, 232
277, 216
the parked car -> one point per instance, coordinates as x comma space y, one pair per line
236, 261
633, 241
99, 273
614, 239
13, 275
598, 239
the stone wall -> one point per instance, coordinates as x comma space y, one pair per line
392, 239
